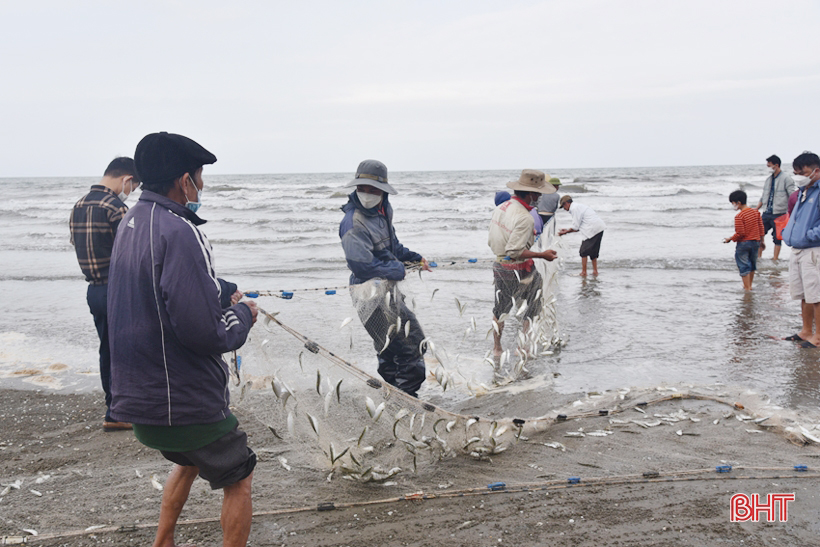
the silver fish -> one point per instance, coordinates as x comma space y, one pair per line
339, 391
434, 294
402, 413
387, 296
333, 456
302, 368
284, 462
276, 385
472, 441
314, 424
450, 425
386, 342
155, 483
319, 382
407, 329
361, 436
291, 425
370, 406
275, 434
378, 412
345, 322
470, 422
328, 398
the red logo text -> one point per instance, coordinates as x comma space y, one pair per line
752, 507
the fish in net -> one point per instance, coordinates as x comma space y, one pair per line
335, 415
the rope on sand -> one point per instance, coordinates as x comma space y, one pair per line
652, 477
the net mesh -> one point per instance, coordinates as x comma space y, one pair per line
336, 413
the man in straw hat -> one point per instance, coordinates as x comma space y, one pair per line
586, 221
511, 236
373, 252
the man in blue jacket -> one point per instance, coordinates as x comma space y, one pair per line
802, 234
168, 332
375, 256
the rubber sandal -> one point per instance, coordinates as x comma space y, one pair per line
807, 345
794, 338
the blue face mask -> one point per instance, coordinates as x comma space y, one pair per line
194, 205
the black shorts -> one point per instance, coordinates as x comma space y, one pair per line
768, 224
591, 247
507, 286
222, 463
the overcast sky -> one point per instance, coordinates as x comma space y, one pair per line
279, 87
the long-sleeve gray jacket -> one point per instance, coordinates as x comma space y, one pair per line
783, 188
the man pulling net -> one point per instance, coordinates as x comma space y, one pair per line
517, 283
375, 258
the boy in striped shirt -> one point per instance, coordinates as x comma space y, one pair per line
748, 235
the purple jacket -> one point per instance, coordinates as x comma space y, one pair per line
167, 328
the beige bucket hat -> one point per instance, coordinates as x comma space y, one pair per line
532, 180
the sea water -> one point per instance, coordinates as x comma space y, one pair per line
668, 306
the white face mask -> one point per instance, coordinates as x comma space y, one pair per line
122, 195
368, 201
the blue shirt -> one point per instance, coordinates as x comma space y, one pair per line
803, 229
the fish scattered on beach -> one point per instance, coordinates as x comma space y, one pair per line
346, 322
291, 425
155, 483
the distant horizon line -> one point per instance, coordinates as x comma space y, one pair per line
352, 172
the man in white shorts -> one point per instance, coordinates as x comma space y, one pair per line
802, 234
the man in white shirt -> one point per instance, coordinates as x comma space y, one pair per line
586, 221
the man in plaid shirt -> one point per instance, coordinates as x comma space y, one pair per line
93, 224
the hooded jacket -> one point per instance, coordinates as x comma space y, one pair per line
167, 328
370, 243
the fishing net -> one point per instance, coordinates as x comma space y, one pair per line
308, 372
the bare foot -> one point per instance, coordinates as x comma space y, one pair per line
583, 274
595, 273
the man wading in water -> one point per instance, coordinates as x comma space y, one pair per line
512, 233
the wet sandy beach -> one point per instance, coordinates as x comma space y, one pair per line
75, 482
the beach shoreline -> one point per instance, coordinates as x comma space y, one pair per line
75, 478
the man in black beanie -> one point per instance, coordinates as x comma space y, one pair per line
168, 332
